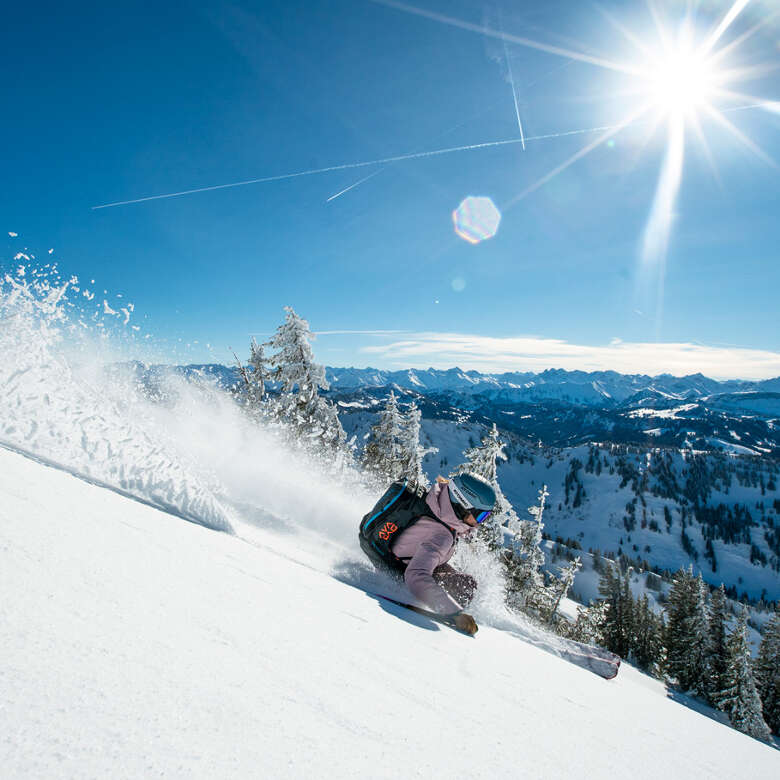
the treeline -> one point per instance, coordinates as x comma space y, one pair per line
690, 483
691, 645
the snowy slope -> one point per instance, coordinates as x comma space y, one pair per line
599, 521
136, 644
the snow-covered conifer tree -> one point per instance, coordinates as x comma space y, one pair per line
482, 460
524, 558
767, 672
647, 639
687, 632
312, 418
700, 628
382, 456
252, 390
560, 586
259, 375
716, 655
739, 699
588, 626
412, 452
618, 627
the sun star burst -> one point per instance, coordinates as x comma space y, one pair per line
682, 80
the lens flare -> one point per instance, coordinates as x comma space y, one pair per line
476, 219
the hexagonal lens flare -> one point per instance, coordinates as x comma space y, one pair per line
476, 219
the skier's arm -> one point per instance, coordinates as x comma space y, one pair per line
419, 573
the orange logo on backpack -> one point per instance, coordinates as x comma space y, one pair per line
387, 529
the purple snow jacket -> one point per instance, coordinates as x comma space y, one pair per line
428, 544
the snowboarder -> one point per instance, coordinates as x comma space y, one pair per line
458, 505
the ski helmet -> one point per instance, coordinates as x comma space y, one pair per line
472, 493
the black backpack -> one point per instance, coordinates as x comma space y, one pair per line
401, 506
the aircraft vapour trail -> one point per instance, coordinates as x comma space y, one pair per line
768, 105
348, 166
353, 185
514, 92
441, 135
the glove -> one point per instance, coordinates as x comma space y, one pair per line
466, 623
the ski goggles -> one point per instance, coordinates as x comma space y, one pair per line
480, 516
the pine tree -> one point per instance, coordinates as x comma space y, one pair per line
382, 457
483, 460
524, 559
412, 452
648, 636
767, 672
739, 698
700, 627
312, 419
560, 586
716, 656
687, 632
589, 625
252, 390
618, 627
259, 375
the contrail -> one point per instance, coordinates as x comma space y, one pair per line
355, 184
387, 160
514, 92
441, 135
348, 166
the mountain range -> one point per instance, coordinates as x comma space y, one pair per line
560, 408
596, 388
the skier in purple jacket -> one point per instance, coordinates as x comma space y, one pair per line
458, 505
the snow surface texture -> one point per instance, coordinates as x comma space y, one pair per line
138, 645
58, 404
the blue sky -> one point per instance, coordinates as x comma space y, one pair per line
113, 102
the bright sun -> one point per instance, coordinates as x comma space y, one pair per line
682, 82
